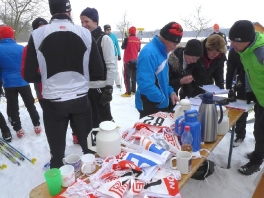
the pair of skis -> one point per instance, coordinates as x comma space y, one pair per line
11, 153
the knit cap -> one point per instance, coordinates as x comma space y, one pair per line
172, 32
6, 32
242, 31
193, 48
132, 30
38, 22
59, 6
91, 13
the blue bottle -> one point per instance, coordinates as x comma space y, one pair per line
190, 119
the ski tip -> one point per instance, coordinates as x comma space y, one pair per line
33, 160
3, 166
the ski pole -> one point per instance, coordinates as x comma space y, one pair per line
13, 152
10, 157
3, 166
33, 160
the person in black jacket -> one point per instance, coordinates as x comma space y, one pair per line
209, 69
180, 64
234, 65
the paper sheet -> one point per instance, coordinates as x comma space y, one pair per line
214, 89
240, 105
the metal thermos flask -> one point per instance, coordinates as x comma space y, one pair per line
208, 117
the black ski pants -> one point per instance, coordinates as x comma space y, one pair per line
3, 125
13, 108
56, 117
240, 128
100, 112
258, 154
129, 79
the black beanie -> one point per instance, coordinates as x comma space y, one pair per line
59, 6
242, 31
172, 32
107, 27
193, 48
91, 13
38, 22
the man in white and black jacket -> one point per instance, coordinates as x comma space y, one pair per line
68, 59
100, 92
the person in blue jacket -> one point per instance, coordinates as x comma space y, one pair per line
13, 83
107, 29
153, 91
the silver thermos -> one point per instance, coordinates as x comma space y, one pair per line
208, 117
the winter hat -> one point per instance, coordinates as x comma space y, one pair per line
172, 32
107, 27
242, 31
38, 22
59, 6
91, 13
193, 48
132, 30
216, 26
1, 22
6, 32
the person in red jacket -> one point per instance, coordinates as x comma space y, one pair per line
131, 45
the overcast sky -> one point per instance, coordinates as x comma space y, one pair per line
152, 15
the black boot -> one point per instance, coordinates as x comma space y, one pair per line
7, 136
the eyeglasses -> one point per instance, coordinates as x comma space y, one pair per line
108, 29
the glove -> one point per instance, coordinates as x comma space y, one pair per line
250, 96
106, 95
119, 58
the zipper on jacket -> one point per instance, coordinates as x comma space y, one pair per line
248, 74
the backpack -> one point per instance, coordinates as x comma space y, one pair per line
205, 169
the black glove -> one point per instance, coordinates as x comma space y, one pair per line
119, 58
250, 96
106, 95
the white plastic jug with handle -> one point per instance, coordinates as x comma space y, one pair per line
108, 140
184, 104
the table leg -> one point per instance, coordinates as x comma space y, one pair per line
231, 146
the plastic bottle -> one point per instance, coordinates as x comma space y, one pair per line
186, 139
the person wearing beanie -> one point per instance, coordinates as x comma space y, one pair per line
250, 46
180, 65
64, 58
108, 31
153, 92
209, 68
217, 31
131, 45
13, 82
100, 92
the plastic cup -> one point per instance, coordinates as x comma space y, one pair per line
53, 180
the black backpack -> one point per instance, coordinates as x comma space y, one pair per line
205, 169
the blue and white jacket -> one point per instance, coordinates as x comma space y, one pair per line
10, 63
153, 89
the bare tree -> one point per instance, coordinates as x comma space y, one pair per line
122, 26
20, 13
197, 22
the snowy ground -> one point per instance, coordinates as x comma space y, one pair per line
17, 181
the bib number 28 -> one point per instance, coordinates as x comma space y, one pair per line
156, 121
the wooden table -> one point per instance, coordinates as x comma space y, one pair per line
42, 191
